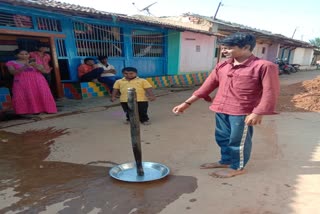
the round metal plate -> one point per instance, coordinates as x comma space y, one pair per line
128, 172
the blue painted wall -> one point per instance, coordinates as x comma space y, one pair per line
147, 66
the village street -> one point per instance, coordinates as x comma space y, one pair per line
61, 165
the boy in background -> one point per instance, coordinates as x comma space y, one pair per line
109, 75
143, 90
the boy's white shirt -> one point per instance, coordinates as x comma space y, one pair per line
106, 69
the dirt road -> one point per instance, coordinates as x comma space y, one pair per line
61, 165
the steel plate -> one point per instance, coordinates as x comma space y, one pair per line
128, 172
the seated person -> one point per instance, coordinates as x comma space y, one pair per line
109, 75
89, 71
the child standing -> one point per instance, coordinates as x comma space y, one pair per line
143, 90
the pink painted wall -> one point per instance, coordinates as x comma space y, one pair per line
197, 52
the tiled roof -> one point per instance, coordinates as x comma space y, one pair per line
77, 10
234, 27
219, 21
172, 22
45, 4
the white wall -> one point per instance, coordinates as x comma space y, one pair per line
197, 52
261, 51
298, 54
302, 56
308, 55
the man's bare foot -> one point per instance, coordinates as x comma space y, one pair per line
213, 165
226, 173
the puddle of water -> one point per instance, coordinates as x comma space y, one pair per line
39, 184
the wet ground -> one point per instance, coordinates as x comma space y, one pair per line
61, 165
35, 184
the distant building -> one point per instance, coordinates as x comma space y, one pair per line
269, 46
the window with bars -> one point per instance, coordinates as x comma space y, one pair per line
62, 59
15, 20
147, 44
49, 24
98, 40
61, 48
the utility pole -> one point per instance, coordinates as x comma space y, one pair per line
294, 32
215, 15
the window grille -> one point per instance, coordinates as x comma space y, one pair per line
63, 60
49, 24
147, 44
98, 40
61, 48
15, 20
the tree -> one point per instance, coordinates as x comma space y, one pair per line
315, 42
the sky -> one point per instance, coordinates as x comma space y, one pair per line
292, 18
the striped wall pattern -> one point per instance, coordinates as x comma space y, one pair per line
91, 89
179, 80
5, 99
72, 90
82, 90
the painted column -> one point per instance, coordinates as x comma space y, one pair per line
127, 41
71, 48
289, 54
173, 52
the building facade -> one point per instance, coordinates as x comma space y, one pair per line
163, 53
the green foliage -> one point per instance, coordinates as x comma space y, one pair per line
315, 42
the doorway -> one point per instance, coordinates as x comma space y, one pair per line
9, 43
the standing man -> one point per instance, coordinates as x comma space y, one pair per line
248, 88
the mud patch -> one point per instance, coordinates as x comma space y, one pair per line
287, 92
309, 99
300, 97
31, 185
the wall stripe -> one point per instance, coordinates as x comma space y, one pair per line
83, 90
182, 80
